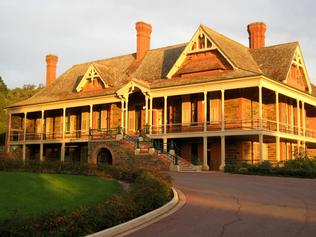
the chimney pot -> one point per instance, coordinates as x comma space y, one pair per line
51, 62
257, 32
143, 39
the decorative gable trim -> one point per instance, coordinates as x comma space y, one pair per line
200, 42
130, 87
298, 61
90, 75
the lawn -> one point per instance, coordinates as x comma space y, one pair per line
35, 193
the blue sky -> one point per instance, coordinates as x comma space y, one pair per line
80, 31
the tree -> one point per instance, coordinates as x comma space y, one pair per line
8, 97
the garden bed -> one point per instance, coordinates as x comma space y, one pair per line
147, 191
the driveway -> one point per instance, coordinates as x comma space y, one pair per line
219, 204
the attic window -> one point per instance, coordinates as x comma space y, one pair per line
201, 43
91, 80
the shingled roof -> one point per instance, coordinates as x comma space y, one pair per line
275, 61
236, 52
272, 61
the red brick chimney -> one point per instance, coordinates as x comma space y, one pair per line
51, 61
143, 39
257, 32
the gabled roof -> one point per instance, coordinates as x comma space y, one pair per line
152, 70
275, 61
236, 52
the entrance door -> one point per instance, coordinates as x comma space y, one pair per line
138, 118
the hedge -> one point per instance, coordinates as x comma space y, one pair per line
302, 167
147, 191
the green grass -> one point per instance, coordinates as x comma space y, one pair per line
34, 193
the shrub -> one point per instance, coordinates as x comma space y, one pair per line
303, 167
148, 190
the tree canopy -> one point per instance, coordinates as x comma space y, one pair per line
10, 96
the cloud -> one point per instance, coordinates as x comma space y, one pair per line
80, 31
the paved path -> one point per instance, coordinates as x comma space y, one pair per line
236, 205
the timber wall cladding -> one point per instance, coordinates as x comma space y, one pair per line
115, 113
296, 78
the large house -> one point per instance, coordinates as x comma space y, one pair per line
216, 100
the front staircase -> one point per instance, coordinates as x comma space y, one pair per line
144, 147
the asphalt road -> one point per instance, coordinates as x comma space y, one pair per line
219, 204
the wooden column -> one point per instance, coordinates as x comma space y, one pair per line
165, 114
277, 148
24, 126
277, 110
62, 152
42, 125
261, 147
303, 118
41, 151
146, 110
298, 114
205, 165
223, 109
126, 114
205, 111
122, 114
24, 152
8, 135
165, 144
260, 107
91, 117
222, 166
64, 122
151, 114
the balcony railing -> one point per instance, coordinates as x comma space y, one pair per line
17, 135
104, 133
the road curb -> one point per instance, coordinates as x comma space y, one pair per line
140, 222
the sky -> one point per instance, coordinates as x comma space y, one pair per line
79, 31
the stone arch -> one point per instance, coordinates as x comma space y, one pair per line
96, 152
104, 157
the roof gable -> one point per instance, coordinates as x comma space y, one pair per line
297, 72
91, 76
199, 43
